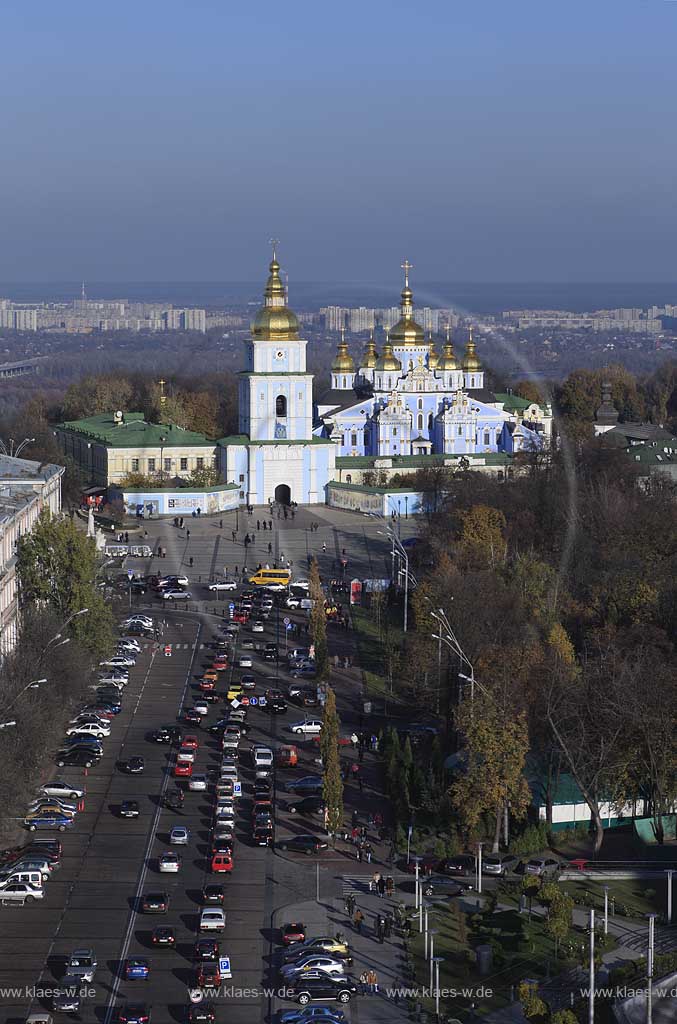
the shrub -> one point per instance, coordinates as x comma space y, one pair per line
532, 839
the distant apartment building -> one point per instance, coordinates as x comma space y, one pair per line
601, 320
26, 487
361, 319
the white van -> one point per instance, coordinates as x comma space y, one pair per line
33, 878
41, 867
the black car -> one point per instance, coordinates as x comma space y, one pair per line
164, 937
263, 835
129, 809
443, 885
308, 697
263, 787
155, 903
277, 705
160, 736
174, 799
213, 895
132, 766
200, 1013
270, 652
309, 805
217, 728
303, 844
460, 866
138, 586
206, 949
77, 758
314, 985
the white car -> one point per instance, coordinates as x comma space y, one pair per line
138, 618
262, 757
42, 800
223, 585
245, 661
275, 588
225, 808
169, 863
179, 836
128, 643
311, 727
57, 787
325, 963
198, 783
229, 771
176, 595
212, 919
21, 892
201, 706
119, 661
88, 729
186, 754
257, 627
293, 602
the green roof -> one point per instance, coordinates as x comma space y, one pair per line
134, 432
513, 401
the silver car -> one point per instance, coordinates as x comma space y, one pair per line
82, 964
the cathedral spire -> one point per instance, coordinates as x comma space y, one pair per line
406, 331
471, 360
275, 322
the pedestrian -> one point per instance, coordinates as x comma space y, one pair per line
187, 534
350, 904
374, 981
126, 537
374, 742
363, 832
199, 510
374, 880
353, 737
364, 983
388, 929
381, 886
356, 817
380, 928
145, 534
360, 782
190, 561
355, 770
270, 548
359, 853
354, 833
324, 546
233, 535
258, 524
220, 524
357, 921
368, 847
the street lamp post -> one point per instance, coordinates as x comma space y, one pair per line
649, 970
433, 933
406, 506
163, 440
437, 961
606, 909
14, 450
401, 552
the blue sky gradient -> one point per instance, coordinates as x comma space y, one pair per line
485, 141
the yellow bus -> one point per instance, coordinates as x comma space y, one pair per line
276, 578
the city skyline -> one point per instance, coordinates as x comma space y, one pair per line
493, 145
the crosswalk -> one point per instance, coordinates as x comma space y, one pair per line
355, 884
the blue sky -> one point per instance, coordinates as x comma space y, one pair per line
485, 141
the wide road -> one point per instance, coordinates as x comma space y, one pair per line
109, 863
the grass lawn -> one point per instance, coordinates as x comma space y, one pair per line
639, 896
370, 649
530, 956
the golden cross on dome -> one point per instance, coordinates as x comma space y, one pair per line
448, 329
406, 267
274, 242
163, 397
343, 335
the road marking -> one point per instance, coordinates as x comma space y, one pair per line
146, 856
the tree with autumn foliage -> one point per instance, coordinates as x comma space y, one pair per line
332, 784
318, 622
482, 541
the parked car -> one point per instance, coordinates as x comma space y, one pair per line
21, 892
309, 727
303, 844
305, 784
308, 805
331, 965
443, 885
544, 867
310, 987
499, 864
49, 821
57, 787
294, 931
77, 758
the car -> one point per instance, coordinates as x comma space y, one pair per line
213, 895
234, 691
160, 736
208, 974
308, 805
66, 998
155, 903
307, 989
169, 863
100, 710
192, 716
497, 864
200, 1013
262, 787
43, 802
81, 728
245, 661
77, 758
90, 742
206, 685
201, 707
314, 962
262, 805
443, 885
212, 919
427, 863
133, 765
257, 626
129, 809
180, 579
119, 661
263, 834
191, 741
223, 585
127, 644
179, 836
136, 967
308, 697
247, 645
303, 844
277, 704
174, 799
248, 681
21, 892
82, 964
320, 943
134, 1013
197, 783
59, 788
137, 617
293, 931
305, 670
544, 867
164, 938
311, 784
225, 808
270, 652
206, 949
183, 770
185, 754
176, 594
49, 820
309, 727
313, 1015
262, 756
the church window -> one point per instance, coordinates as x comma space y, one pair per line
135, 465
460, 431
349, 478
168, 465
420, 421
344, 382
281, 405
184, 465
420, 403
353, 440
390, 382
241, 478
300, 396
430, 421
487, 437
200, 463
472, 382
215, 462
394, 431
151, 465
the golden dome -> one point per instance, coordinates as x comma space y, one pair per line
387, 361
433, 358
448, 360
471, 362
274, 321
406, 331
343, 363
370, 355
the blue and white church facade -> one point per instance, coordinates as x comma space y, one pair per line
411, 401
277, 456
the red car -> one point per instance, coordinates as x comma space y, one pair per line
207, 685
183, 770
222, 863
294, 932
190, 741
241, 617
427, 864
208, 974
220, 665
262, 807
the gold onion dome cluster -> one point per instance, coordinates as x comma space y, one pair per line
470, 360
275, 321
388, 361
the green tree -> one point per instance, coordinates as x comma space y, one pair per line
318, 622
560, 906
533, 1007
332, 784
57, 566
564, 1017
482, 542
208, 476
